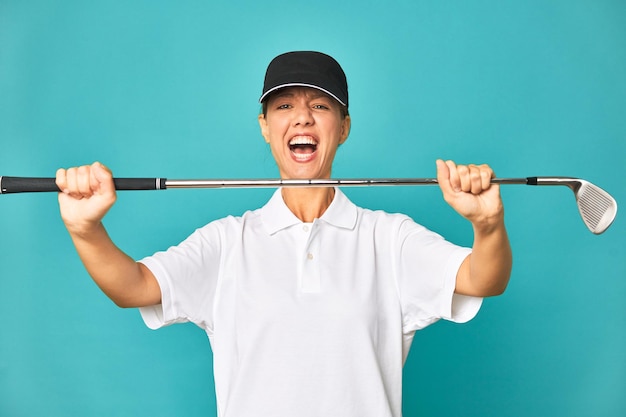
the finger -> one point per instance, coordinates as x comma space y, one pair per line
102, 176
455, 180
82, 181
480, 178
475, 179
77, 182
465, 179
486, 174
61, 180
72, 188
443, 177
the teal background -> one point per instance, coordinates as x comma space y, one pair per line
165, 88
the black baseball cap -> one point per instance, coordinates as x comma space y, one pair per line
306, 69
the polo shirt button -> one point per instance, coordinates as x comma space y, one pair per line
305, 228
309, 256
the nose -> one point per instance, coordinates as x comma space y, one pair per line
302, 116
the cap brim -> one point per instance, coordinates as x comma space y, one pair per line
278, 87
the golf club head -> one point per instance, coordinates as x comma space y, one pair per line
597, 207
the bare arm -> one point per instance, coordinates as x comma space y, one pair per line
469, 191
88, 194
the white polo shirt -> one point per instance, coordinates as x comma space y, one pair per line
309, 320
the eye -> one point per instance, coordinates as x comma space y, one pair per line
283, 106
321, 107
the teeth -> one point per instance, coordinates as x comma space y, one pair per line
303, 157
302, 140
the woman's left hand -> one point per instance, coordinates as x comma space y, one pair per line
468, 190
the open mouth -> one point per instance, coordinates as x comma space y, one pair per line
302, 147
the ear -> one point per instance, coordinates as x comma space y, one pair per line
345, 129
263, 126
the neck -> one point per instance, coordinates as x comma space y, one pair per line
308, 204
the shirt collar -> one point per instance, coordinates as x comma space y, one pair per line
276, 215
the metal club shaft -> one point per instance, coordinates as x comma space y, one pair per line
597, 207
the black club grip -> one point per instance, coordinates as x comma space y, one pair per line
10, 185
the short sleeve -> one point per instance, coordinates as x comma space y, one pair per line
426, 272
187, 275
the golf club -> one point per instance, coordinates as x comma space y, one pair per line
597, 207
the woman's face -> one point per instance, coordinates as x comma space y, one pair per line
304, 127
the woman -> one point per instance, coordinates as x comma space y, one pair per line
310, 302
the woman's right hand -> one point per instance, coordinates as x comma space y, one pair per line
87, 194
